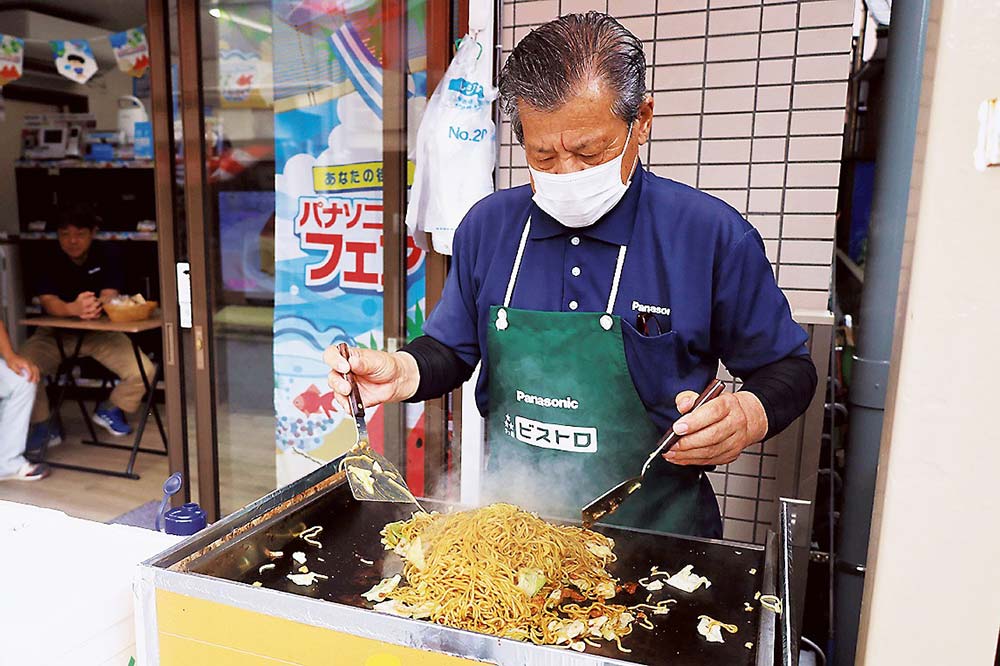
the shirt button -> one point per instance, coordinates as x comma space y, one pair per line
575, 271
575, 240
573, 305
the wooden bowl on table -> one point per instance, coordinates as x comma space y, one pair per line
121, 313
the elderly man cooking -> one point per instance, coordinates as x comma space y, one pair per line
600, 299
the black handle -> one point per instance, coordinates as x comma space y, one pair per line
354, 399
712, 391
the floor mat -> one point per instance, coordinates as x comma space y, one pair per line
141, 516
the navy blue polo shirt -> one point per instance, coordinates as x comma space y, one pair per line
693, 264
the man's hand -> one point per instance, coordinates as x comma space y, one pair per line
719, 430
381, 377
23, 367
86, 306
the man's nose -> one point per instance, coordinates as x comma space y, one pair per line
569, 164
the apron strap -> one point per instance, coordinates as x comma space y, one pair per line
616, 279
517, 263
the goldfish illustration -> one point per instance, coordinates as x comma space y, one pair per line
311, 401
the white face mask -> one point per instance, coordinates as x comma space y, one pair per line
580, 198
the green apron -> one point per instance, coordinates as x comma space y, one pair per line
566, 424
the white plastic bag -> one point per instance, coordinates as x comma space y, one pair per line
455, 151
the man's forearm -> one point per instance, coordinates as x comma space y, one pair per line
6, 349
784, 389
441, 370
55, 306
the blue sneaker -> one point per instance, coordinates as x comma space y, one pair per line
113, 421
40, 433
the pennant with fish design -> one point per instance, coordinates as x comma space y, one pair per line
11, 58
131, 51
74, 59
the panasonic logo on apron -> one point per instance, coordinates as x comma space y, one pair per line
572, 439
542, 401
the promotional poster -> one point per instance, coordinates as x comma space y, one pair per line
328, 223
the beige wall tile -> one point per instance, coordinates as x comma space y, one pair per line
735, 198
729, 4
680, 51
779, 17
728, 100
774, 44
723, 175
814, 175
736, 530
768, 226
730, 73
807, 300
519, 177
810, 226
741, 508
727, 126
668, 6
647, 51
738, 47
822, 68
649, 75
674, 102
508, 15
682, 174
775, 71
735, 151
507, 41
582, 6
506, 134
767, 175
768, 150
811, 201
774, 98
676, 127
822, 148
806, 252
771, 252
673, 152
642, 27
503, 178
771, 123
731, 21
535, 12
819, 95
670, 26
804, 277
619, 8
678, 77
518, 157
765, 201
825, 40
826, 13
520, 32
818, 122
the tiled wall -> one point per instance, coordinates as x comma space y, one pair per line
749, 105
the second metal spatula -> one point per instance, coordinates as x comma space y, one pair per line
371, 476
610, 501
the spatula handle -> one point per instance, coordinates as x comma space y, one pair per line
357, 407
712, 391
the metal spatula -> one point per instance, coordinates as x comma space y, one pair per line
609, 502
371, 477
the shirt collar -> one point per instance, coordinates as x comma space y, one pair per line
614, 227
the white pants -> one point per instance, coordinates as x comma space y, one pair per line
17, 395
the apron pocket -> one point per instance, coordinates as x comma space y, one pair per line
652, 363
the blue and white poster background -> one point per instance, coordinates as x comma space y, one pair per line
328, 255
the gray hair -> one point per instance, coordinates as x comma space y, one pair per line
552, 61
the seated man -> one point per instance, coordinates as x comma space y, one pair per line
18, 380
73, 284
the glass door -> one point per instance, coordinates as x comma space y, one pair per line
297, 121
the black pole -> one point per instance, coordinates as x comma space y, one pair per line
903, 77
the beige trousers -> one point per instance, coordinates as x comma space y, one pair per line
111, 349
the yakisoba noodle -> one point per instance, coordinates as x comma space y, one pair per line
503, 571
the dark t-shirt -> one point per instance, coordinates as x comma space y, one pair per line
63, 278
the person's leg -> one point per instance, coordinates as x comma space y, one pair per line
16, 397
114, 351
43, 350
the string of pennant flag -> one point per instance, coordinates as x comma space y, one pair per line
74, 58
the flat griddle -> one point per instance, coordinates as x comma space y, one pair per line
350, 539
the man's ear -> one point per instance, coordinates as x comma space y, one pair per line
645, 120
